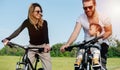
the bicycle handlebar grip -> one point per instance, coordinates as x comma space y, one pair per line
10, 44
68, 48
41, 50
2, 41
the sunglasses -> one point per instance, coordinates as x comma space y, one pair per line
88, 7
38, 11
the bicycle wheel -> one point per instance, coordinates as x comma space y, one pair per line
88, 66
40, 69
76, 68
22, 66
27, 67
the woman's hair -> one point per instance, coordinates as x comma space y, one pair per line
31, 18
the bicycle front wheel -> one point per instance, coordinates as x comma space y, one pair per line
88, 66
22, 66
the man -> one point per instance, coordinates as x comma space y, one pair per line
89, 16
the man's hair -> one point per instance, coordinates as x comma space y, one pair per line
94, 1
98, 27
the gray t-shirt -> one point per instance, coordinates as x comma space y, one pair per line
103, 20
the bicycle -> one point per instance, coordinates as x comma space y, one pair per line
26, 64
87, 63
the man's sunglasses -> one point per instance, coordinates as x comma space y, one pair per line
90, 7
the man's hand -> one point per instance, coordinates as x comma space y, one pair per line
62, 49
108, 31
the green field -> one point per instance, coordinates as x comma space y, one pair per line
58, 63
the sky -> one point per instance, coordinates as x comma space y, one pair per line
61, 16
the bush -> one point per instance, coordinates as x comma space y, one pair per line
11, 51
56, 51
114, 52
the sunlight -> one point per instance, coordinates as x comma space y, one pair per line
114, 13
114, 9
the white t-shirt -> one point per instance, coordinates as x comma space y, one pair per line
103, 20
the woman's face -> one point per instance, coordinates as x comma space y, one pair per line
37, 13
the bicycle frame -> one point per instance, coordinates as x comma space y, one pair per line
87, 58
25, 60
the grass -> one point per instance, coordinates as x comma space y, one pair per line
113, 64
58, 63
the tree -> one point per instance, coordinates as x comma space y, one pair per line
11, 51
56, 51
114, 51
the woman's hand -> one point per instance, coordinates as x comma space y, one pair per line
5, 41
47, 48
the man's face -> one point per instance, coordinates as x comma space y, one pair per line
89, 8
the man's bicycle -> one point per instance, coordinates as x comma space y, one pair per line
87, 63
25, 63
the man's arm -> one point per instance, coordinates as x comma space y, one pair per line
73, 36
108, 31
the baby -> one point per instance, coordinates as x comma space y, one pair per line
95, 30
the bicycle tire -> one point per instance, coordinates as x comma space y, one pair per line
41, 69
22, 66
19, 69
88, 66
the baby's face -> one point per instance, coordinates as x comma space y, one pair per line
92, 30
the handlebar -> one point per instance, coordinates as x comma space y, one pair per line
92, 41
11, 45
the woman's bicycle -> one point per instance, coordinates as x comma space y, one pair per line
25, 63
87, 63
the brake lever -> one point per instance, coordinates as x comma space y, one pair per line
10, 44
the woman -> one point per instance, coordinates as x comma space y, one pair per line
38, 34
